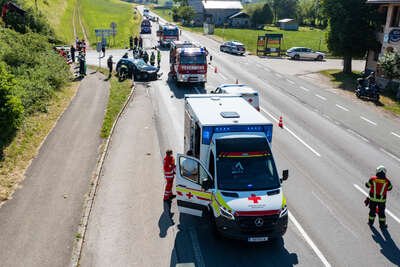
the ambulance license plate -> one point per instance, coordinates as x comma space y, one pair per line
257, 239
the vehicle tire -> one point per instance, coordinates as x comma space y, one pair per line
138, 77
221, 48
145, 77
320, 58
376, 99
358, 94
296, 57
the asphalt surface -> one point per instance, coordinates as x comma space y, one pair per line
331, 143
38, 225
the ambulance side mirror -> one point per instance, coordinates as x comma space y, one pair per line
206, 184
285, 175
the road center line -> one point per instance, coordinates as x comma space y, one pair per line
367, 120
320, 97
395, 134
305, 89
292, 133
290, 81
223, 76
341, 107
387, 211
358, 135
308, 240
390, 154
278, 75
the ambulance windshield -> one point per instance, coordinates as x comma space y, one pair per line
245, 164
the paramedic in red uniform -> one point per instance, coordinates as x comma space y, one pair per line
169, 173
378, 186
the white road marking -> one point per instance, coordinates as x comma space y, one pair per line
290, 81
196, 248
387, 211
197, 90
358, 135
292, 133
305, 89
395, 134
308, 240
334, 214
367, 120
390, 154
320, 97
267, 69
278, 75
341, 107
223, 76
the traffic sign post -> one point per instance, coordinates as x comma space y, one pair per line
98, 49
113, 27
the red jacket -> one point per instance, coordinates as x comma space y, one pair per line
378, 188
169, 166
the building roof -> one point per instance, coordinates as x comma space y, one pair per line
222, 5
208, 109
383, 1
239, 15
238, 89
285, 20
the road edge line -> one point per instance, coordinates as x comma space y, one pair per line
308, 240
88, 202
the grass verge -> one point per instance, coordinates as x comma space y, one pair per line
348, 82
119, 92
19, 153
100, 13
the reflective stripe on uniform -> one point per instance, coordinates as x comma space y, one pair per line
374, 185
382, 190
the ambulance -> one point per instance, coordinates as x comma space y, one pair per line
228, 173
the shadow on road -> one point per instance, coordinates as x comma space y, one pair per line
195, 240
180, 91
165, 220
389, 248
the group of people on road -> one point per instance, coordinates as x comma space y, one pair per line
135, 43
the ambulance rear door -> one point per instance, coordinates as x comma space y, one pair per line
193, 186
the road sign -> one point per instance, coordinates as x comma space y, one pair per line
103, 32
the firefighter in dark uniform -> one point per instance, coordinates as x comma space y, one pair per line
378, 186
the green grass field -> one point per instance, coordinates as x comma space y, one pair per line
100, 13
312, 38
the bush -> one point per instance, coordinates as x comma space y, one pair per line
390, 64
11, 109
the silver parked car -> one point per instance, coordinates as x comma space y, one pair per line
233, 47
304, 53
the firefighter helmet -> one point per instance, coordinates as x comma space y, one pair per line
381, 168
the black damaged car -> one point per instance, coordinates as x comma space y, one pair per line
140, 69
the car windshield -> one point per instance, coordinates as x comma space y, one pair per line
140, 63
245, 164
171, 32
193, 59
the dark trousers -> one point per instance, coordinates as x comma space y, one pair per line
381, 211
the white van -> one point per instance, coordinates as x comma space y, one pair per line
248, 93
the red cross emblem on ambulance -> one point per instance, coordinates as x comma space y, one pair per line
254, 198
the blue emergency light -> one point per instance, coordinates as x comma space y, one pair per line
208, 131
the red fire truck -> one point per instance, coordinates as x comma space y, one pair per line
168, 33
188, 63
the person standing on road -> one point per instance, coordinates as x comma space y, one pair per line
130, 42
110, 65
72, 51
84, 46
378, 186
158, 57
135, 42
152, 58
169, 174
140, 42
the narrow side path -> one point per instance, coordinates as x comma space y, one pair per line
38, 226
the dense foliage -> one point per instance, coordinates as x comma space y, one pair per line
30, 73
261, 14
390, 64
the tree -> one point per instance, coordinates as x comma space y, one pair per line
262, 15
352, 25
186, 13
283, 8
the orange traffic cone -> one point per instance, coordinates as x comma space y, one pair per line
237, 81
280, 123
215, 69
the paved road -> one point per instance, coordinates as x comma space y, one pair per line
330, 144
38, 226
